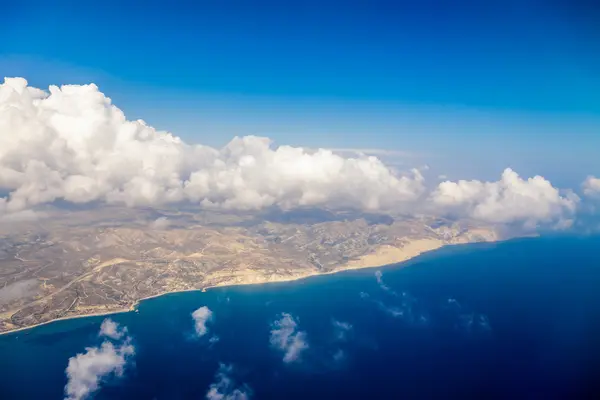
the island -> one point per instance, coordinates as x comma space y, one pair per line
86, 261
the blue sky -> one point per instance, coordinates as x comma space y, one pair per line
468, 87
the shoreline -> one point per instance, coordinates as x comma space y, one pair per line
351, 266
66, 319
137, 302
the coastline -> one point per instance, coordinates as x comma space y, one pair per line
204, 289
125, 310
397, 258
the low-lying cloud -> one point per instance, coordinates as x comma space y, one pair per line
407, 309
72, 144
160, 223
201, 317
286, 337
404, 307
591, 187
224, 387
382, 285
18, 290
510, 200
465, 320
112, 330
341, 329
86, 371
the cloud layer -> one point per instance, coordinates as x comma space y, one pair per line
85, 371
286, 337
71, 143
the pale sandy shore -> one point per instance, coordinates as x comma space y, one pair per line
382, 257
25, 328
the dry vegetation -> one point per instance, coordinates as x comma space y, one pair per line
74, 263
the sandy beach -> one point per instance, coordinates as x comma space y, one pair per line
382, 257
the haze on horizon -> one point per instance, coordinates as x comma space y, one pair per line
157, 147
482, 111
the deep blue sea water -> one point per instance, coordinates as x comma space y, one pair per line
514, 320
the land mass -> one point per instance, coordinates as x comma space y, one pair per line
70, 263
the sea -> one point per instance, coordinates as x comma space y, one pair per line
511, 320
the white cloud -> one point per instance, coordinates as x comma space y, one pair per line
224, 388
373, 152
510, 200
111, 329
342, 329
86, 371
339, 355
160, 223
20, 216
344, 326
378, 276
382, 285
73, 144
591, 187
201, 316
284, 336
405, 307
465, 320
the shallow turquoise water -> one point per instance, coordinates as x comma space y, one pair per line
512, 320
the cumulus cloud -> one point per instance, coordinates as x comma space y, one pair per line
72, 143
86, 371
201, 316
224, 387
286, 337
591, 187
112, 329
510, 200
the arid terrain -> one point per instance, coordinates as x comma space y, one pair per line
71, 263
